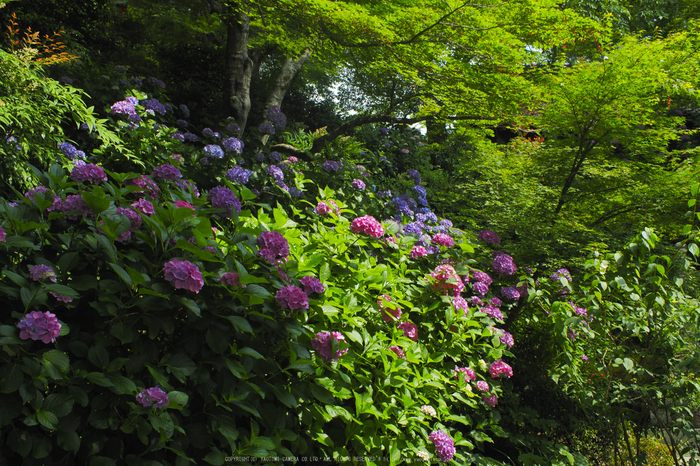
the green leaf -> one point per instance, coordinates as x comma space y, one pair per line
285, 397
240, 324
251, 352
126, 278
69, 441
47, 419
177, 400
191, 305
96, 200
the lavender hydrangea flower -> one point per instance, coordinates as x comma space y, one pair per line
144, 206
222, 197
187, 186
88, 172
266, 128
359, 185
292, 297
232, 144
230, 279
276, 117
68, 149
323, 344
40, 189
503, 264
312, 285
276, 173
275, 157
185, 111
39, 326
3, 235
510, 292
179, 136
414, 175
238, 175
122, 108
444, 445
155, 82
166, 172
74, 202
183, 274
38, 272
213, 150
480, 288
153, 396
507, 339
331, 165
155, 105
561, 273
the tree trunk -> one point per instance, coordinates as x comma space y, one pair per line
239, 67
284, 79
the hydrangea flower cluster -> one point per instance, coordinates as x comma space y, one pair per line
272, 246
122, 107
41, 271
292, 297
459, 303
70, 151
74, 202
467, 372
146, 185
390, 312
39, 326
222, 197
503, 264
88, 172
276, 173
323, 344
489, 236
327, 207
187, 186
275, 157
155, 105
415, 176
153, 396
367, 225
446, 280
480, 288
166, 172
482, 386
238, 175
331, 166
561, 273
312, 285
507, 339
266, 128
490, 401
499, 368
232, 144
155, 82
3, 235
183, 274
409, 330
144, 206
428, 410
359, 185
398, 351
214, 150
444, 445
402, 207
418, 251
276, 117
230, 279
510, 292
443, 240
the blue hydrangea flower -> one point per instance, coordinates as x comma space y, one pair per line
275, 157
233, 145
238, 175
212, 150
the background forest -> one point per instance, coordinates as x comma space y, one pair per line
332, 232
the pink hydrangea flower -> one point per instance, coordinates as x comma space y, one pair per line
146, 184
153, 396
491, 401
459, 303
291, 297
468, 373
31, 194
390, 312
3, 235
230, 279
39, 326
327, 207
166, 172
409, 330
504, 265
184, 274
446, 280
367, 225
418, 251
489, 236
181, 204
75, 202
323, 344
482, 385
443, 240
398, 351
499, 368
507, 339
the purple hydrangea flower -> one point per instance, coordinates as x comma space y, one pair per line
458, 303
38, 272
230, 279
88, 172
233, 128
510, 292
292, 297
39, 326
359, 185
146, 184
489, 236
266, 128
155, 82
144, 206
414, 227
444, 445
490, 401
276, 173
185, 111
414, 175
222, 197
153, 396
213, 150
40, 189
275, 157
68, 149
3, 235
503, 264
183, 274
233, 145
323, 344
155, 105
273, 246
166, 172
331, 166
499, 368
312, 285
74, 202
189, 137
507, 339
493, 312
179, 136
276, 117
187, 186
409, 330
561, 273
238, 175
61, 298
122, 107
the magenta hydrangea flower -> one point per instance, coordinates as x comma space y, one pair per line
88, 172
144, 206
390, 312
273, 246
166, 172
133, 217
291, 297
510, 292
75, 202
446, 280
37, 272
61, 298
323, 344
409, 330
489, 236
40, 189
443, 240
359, 185
223, 198
39, 326
458, 303
418, 251
183, 274
467, 372
367, 225
507, 339
481, 277
561, 273
491, 401
480, 288
3, 235
327, 207
493, 312
145, 184
398, 351
153, 396
503, 264
482, 385
230, 279
444, 445
499, 368
312, 285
